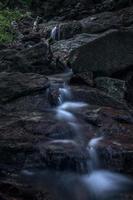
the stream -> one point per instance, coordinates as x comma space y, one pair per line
93, 183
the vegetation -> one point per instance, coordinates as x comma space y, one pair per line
6, 17
8, 13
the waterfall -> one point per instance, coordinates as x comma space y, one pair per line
105, 184
94, 160
66, 109
55, 33
97, 184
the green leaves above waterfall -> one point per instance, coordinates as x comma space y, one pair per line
6, 17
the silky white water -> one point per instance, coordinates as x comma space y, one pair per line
101, 183
97, 184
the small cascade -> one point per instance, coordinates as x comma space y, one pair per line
103, 183
92, 150
55, 33
80, 184
66, 109
98, 182
65, 115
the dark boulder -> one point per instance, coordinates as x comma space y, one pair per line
14, 85
36, 59
84, 78
103, 54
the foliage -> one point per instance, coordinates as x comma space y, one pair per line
6, 17
28, 2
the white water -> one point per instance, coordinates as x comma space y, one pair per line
94, 142
55, 33
72, 106
65, 92
103, 183
63, 141
92, 145
97, 184
65, 116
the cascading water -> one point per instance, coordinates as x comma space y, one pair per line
97, 184
94, 160
100, 182
55, 33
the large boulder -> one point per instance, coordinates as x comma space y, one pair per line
14, 85
33, 59
102, 53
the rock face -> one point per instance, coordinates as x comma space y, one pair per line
95, 52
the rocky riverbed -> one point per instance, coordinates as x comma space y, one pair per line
98, 45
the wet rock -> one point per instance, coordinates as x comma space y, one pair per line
85, 78
118, 156
14, 85
36, 59
84, 52
115, 5
34, 142
71, 9
54, 96
113, 87
96, 97
116, 149
66, 29
66, 9
101, 22
31, 39
64, 155
34, 102
95, 23
23, 131
129, 94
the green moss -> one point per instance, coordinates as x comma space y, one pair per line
6, 17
